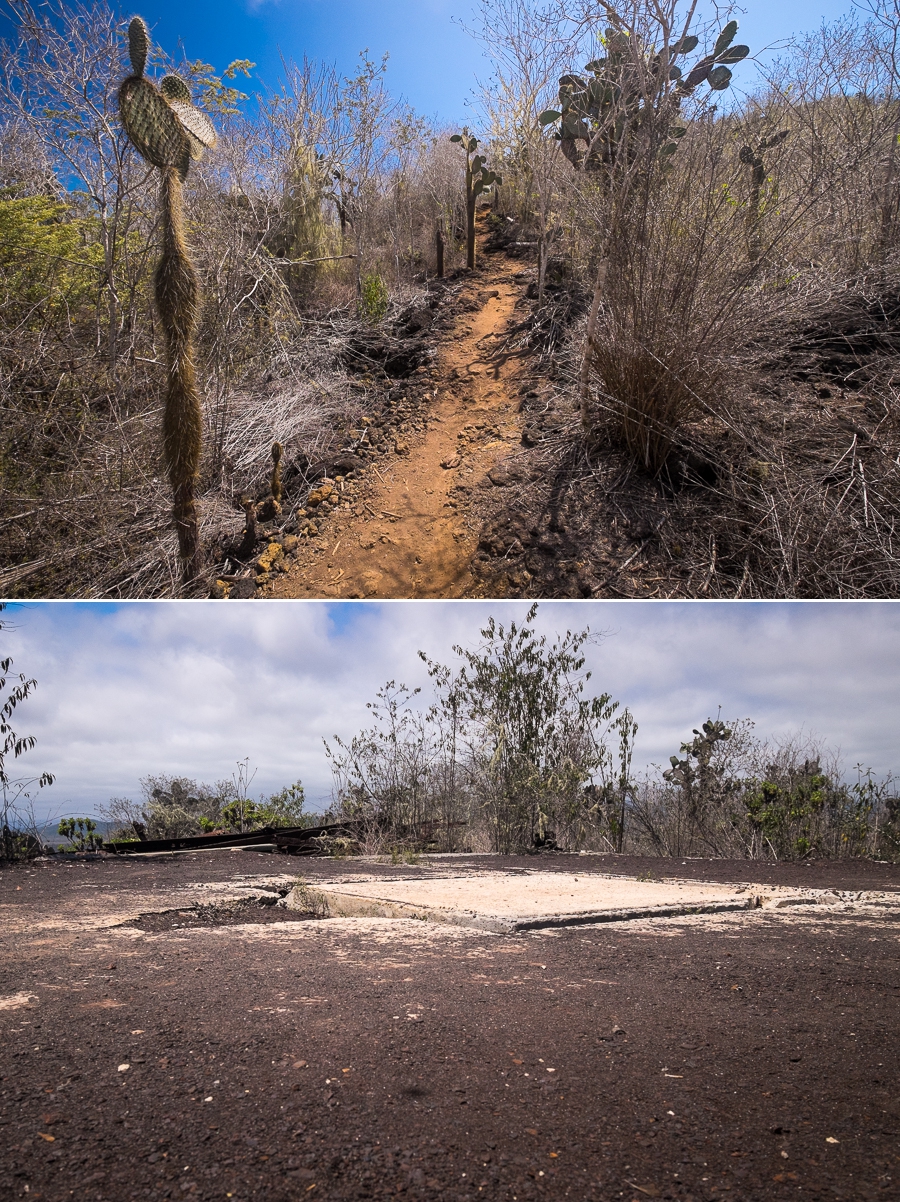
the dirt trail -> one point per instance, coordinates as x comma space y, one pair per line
409, 536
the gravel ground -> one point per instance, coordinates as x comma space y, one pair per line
164, 1034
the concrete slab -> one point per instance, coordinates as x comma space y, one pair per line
505, 903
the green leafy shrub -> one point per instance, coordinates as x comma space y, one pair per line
80, 834
373, 298
49, 258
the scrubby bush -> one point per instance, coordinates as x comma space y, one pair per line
80, 834
515, 753
176, 807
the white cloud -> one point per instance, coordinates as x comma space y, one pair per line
190, 688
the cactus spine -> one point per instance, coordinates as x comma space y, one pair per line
478, 180
167, 131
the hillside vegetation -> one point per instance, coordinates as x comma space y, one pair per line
709, 246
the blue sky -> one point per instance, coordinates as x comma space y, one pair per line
433, 62
125, 690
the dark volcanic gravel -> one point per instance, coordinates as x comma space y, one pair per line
741, 1056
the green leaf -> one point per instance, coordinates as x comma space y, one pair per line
456, 138
734, 54
719, 78
686, 45
725, 38
670, 148
549, 115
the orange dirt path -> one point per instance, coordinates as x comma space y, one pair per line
407, 536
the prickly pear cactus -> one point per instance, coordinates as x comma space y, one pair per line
162, 124
607, 106
478, 180
753, 158
168, 131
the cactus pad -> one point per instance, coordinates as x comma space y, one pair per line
198, 127
153, 127
138, 44
173, 87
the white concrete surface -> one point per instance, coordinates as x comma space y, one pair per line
514, 902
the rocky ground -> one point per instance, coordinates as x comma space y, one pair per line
169, 1031
470, 475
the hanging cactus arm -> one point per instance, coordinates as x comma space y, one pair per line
177, 292
548, 116
719, 79
138, 44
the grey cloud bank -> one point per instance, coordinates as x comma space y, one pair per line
190, 688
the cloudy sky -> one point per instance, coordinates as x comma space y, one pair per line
189, 688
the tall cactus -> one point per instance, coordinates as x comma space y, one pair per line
478, 180
167, 131
753, 159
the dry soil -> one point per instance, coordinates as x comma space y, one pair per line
158, 1041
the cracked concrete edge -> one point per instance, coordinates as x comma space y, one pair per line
331, 904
